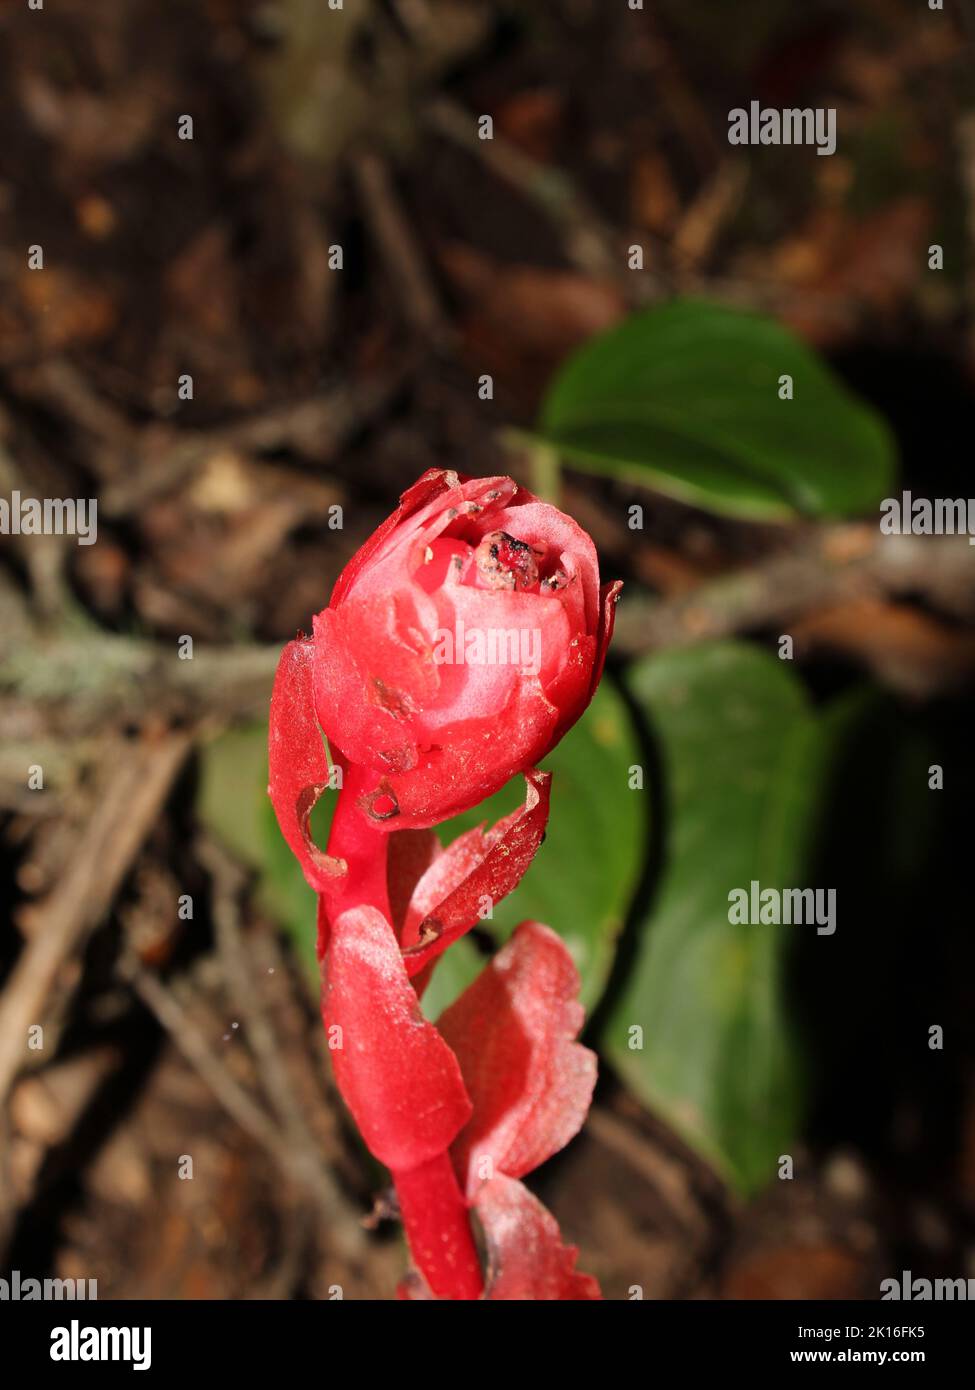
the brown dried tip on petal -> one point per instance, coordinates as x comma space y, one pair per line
430, 930
305, 803
557, 580
504, 562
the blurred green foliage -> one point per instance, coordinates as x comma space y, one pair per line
739, 754
685, 399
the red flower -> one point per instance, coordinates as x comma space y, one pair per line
461, 642
460, 1111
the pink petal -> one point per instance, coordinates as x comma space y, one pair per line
426, 509
398, 1077
477, 866
375, 677
297, 766
539, 634
513, 1032
608, 598
542, 524
411, 854
374, 672
474, 758
526, 1257
447, 871
428, 486
573, 688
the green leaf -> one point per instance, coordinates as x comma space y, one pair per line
741, 754
582, 880
684, 399
232, 790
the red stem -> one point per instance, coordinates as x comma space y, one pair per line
435, 1215
364, 848
438, 1228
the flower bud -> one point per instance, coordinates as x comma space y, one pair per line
461, 642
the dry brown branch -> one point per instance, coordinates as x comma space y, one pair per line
827, 568
589, 245
99, 677
228, 881
394, 237
299, 1165
57, 927
138, 466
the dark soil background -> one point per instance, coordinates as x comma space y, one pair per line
314, 387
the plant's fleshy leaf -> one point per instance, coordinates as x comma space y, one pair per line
574, 690
584, 876
513, 1031
430, 485
526, 1257
445, 874
297, 765
374, 669
398, 1077
479, 865
411, 853
425, 774
609, 596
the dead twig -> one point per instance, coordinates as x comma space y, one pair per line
317, 427
393, 235
829, 566
588, 243
43, 1111
228, 881
57, 927
100, 677
137, 466
304, 1169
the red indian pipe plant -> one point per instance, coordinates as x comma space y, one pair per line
461, 642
